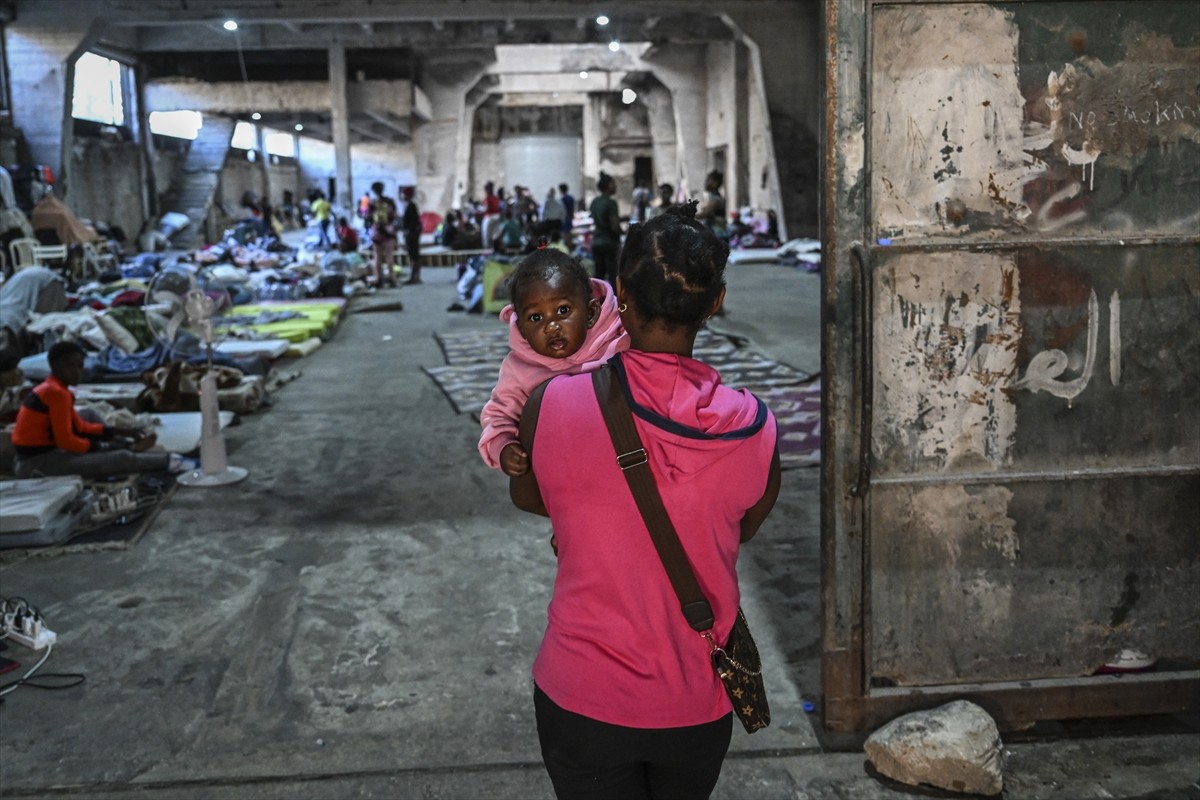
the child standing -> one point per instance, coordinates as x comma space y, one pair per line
560, 321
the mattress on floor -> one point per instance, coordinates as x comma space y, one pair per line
316, 319
31, 504
267, 348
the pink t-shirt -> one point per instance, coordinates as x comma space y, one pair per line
617, 647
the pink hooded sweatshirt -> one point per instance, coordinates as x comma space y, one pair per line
617, 647
523, 370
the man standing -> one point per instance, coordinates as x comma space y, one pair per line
411, 221
568, 202
323, 213
606, 229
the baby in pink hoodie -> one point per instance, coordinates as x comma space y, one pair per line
561, 321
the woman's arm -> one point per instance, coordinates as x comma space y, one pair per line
758, 512
523, 489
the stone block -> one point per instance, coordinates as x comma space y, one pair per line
955, 746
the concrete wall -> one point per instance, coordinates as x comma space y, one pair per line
239, 176
107, 183
38, 65
721, 104
393, 164
487, 164
790, 47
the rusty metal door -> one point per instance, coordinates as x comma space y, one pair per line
1011, 476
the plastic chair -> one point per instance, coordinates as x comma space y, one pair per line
44, 253
94, 262
22, 252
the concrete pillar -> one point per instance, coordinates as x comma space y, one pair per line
785, 71
149, 181
262, 161
462, 153
661, 113
593, 128
442, 143
339, 123
681, 69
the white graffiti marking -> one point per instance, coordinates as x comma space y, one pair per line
1045, 367
1114, 339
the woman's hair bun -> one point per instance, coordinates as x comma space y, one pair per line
686, 209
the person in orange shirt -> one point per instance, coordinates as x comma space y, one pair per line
52, 438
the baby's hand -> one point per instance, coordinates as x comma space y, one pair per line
514, 461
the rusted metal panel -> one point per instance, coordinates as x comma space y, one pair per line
1016, 477
1036, 359
1036, 579
844, 207
990, 120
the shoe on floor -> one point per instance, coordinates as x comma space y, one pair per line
177, 464
412, 281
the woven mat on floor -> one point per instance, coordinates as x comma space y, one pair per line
473, 363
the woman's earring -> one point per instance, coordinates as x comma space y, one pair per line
622, 308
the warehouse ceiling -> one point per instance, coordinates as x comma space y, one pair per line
281, 40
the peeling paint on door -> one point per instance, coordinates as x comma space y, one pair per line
968, 139
947, 329
949, 147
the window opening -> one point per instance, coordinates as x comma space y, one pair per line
98, 94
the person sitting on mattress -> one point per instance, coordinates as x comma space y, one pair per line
52, 438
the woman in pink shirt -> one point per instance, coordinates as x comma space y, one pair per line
627, 701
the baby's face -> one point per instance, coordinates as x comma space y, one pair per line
554, 316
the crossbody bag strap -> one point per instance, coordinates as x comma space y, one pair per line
527, 427
635, 464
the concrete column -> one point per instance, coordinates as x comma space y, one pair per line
442, 144
265, 191
340, 126
462, 154
149, 181
661, 113
593, 127
681, 69
786, 106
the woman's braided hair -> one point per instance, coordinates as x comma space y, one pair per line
673, 267
541, 265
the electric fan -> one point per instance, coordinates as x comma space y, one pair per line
181, 315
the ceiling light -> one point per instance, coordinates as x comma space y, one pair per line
230, 25
583, 74
256, 115
601, 20
628, 96
299, 127
614, 45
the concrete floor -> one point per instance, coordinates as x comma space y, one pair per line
358, 617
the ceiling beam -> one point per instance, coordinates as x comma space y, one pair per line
400, 126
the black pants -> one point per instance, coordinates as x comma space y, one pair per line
605, 258
591, 760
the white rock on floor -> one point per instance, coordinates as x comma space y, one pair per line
956, 747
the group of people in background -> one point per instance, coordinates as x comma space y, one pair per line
509, 223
